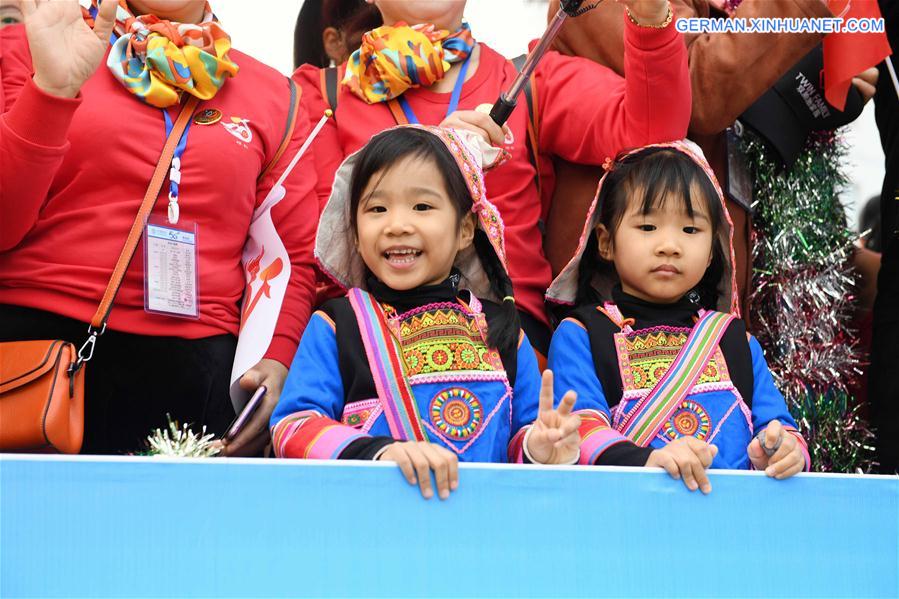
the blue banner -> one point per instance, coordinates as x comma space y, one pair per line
138, 527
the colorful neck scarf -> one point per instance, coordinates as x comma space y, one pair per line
156, 60
393, 59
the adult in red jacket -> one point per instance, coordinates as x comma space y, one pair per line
585, 112
79, 142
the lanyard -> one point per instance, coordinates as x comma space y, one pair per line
454, 98
175, 170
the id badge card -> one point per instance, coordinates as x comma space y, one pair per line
170, 268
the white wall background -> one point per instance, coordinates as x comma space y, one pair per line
264, 29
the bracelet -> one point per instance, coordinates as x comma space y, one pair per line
527, 454
380, 452
661, 25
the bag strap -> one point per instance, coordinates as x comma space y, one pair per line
288, 128
386, 365
328, 79
98, 322
650, 414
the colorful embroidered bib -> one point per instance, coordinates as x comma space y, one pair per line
669, 376
439, 344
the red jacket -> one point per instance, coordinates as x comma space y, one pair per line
586, 113
74, 171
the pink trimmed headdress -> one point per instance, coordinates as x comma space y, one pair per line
335, 248
563, 289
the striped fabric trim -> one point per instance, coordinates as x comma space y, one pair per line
516, 446
597, 435
310, 435
385, 361
645, 420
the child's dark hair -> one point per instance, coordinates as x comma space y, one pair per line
653, 175
388, 148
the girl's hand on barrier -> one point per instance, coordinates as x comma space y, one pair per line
65, 51
418, 458
255, 434
686, 458
554, 436
480, 123
647, 12
786, 457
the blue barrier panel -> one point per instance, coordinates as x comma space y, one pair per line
138, 527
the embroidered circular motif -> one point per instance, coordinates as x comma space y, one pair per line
690, 420
456, 413
439, 357
466, 356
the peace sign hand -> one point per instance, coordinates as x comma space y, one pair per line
65, 51
554, 436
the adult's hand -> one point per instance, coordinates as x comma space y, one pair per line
479, 122
65, 51
255, 434
866, 83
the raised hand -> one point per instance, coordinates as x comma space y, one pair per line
65, 51
418, 458
647, 12
786, 457
554, 437
479, 122
686, 458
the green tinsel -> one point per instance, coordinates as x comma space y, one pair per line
803, 297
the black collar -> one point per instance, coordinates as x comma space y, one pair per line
648, 314
402, 301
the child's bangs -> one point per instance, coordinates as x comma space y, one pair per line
671, 176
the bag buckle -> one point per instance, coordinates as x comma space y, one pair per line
87, 350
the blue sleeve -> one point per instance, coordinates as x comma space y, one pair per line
767, 401
571, 360
313, 381
526, 393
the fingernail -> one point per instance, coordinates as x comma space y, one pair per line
454, 486
428, 494
769, 470
444, 494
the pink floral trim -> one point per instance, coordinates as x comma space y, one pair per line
372, 406
465, 376
619, 414
737, 402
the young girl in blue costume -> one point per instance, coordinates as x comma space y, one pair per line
423, 362
665, 372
